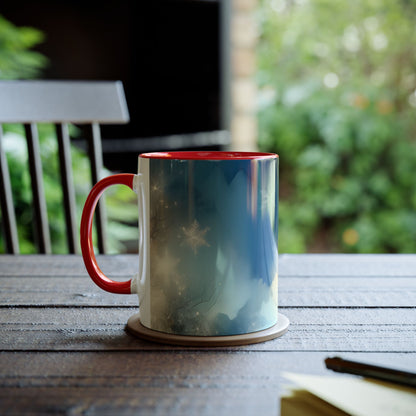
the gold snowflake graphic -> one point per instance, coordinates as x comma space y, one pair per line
194, 236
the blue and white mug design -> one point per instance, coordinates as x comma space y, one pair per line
208, 225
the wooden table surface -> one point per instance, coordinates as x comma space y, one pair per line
64, 349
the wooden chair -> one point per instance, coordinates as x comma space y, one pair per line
58, 102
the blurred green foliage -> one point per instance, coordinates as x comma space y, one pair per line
18, 61
338, 104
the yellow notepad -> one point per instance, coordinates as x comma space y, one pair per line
340, 396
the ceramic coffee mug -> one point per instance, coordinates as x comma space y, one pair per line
208, 257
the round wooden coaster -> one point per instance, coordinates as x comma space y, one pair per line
135, 327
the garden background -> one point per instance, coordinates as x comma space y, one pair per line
338, 103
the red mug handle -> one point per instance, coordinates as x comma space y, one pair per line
87, 247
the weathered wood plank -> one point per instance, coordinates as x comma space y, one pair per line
132, 401
318, 265
369, 265
82, 317
65, 265
182, 368
311, 330
60, 291
191, 382
351, 291
293, 292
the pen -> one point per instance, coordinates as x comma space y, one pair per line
373, 371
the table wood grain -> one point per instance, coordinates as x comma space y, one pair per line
64, 348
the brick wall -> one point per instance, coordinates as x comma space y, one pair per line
243, 67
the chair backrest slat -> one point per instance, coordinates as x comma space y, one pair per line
6, 200
68, 189
43, 239
96, 161
89, 103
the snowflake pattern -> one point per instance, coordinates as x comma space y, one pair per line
194, 236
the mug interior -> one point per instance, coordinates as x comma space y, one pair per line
211, 155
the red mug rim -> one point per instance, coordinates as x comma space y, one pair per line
209, 155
